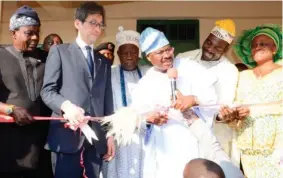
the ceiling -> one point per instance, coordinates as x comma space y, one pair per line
65, 4
48, 10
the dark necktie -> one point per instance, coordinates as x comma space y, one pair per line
90, 60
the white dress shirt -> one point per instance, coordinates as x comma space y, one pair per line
82, 45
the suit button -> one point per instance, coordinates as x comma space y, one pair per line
90, 95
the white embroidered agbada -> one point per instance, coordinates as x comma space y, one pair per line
128, 159
165, 154
227, 78
172, 145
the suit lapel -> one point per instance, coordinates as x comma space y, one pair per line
97, 65
80, 63
78, 55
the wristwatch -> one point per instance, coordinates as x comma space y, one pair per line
9, 109
218, 119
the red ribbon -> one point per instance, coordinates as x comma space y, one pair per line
9, 119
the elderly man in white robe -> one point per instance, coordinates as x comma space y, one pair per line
173, 134
211, 56
127, 161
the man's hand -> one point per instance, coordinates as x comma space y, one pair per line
190, 116
73, 113
158, 118
110, 149
75, 127
183, 103
21, 116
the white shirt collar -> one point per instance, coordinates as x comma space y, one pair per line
82, 44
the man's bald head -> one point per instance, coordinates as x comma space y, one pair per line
203, 168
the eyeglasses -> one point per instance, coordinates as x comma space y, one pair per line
94, 24
161, 53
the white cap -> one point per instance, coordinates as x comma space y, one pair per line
127, 37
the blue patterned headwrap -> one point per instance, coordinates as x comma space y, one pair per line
152, 40
24, 16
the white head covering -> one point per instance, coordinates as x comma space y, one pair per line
152, 40
127, 37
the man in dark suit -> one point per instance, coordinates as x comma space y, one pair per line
106, 49
21, 78
77, 82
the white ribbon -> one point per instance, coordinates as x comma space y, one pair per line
86, 129
202, 111
88, 132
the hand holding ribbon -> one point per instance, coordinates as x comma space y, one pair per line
76, 118
85, 128
228, 114
21, 116
72, 113
190, 116
183, 103
159, 117
233, 116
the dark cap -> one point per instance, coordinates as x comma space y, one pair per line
27, 11
108, 45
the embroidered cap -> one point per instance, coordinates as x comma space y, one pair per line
152, 40
224, 30
24, 16
127, 37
